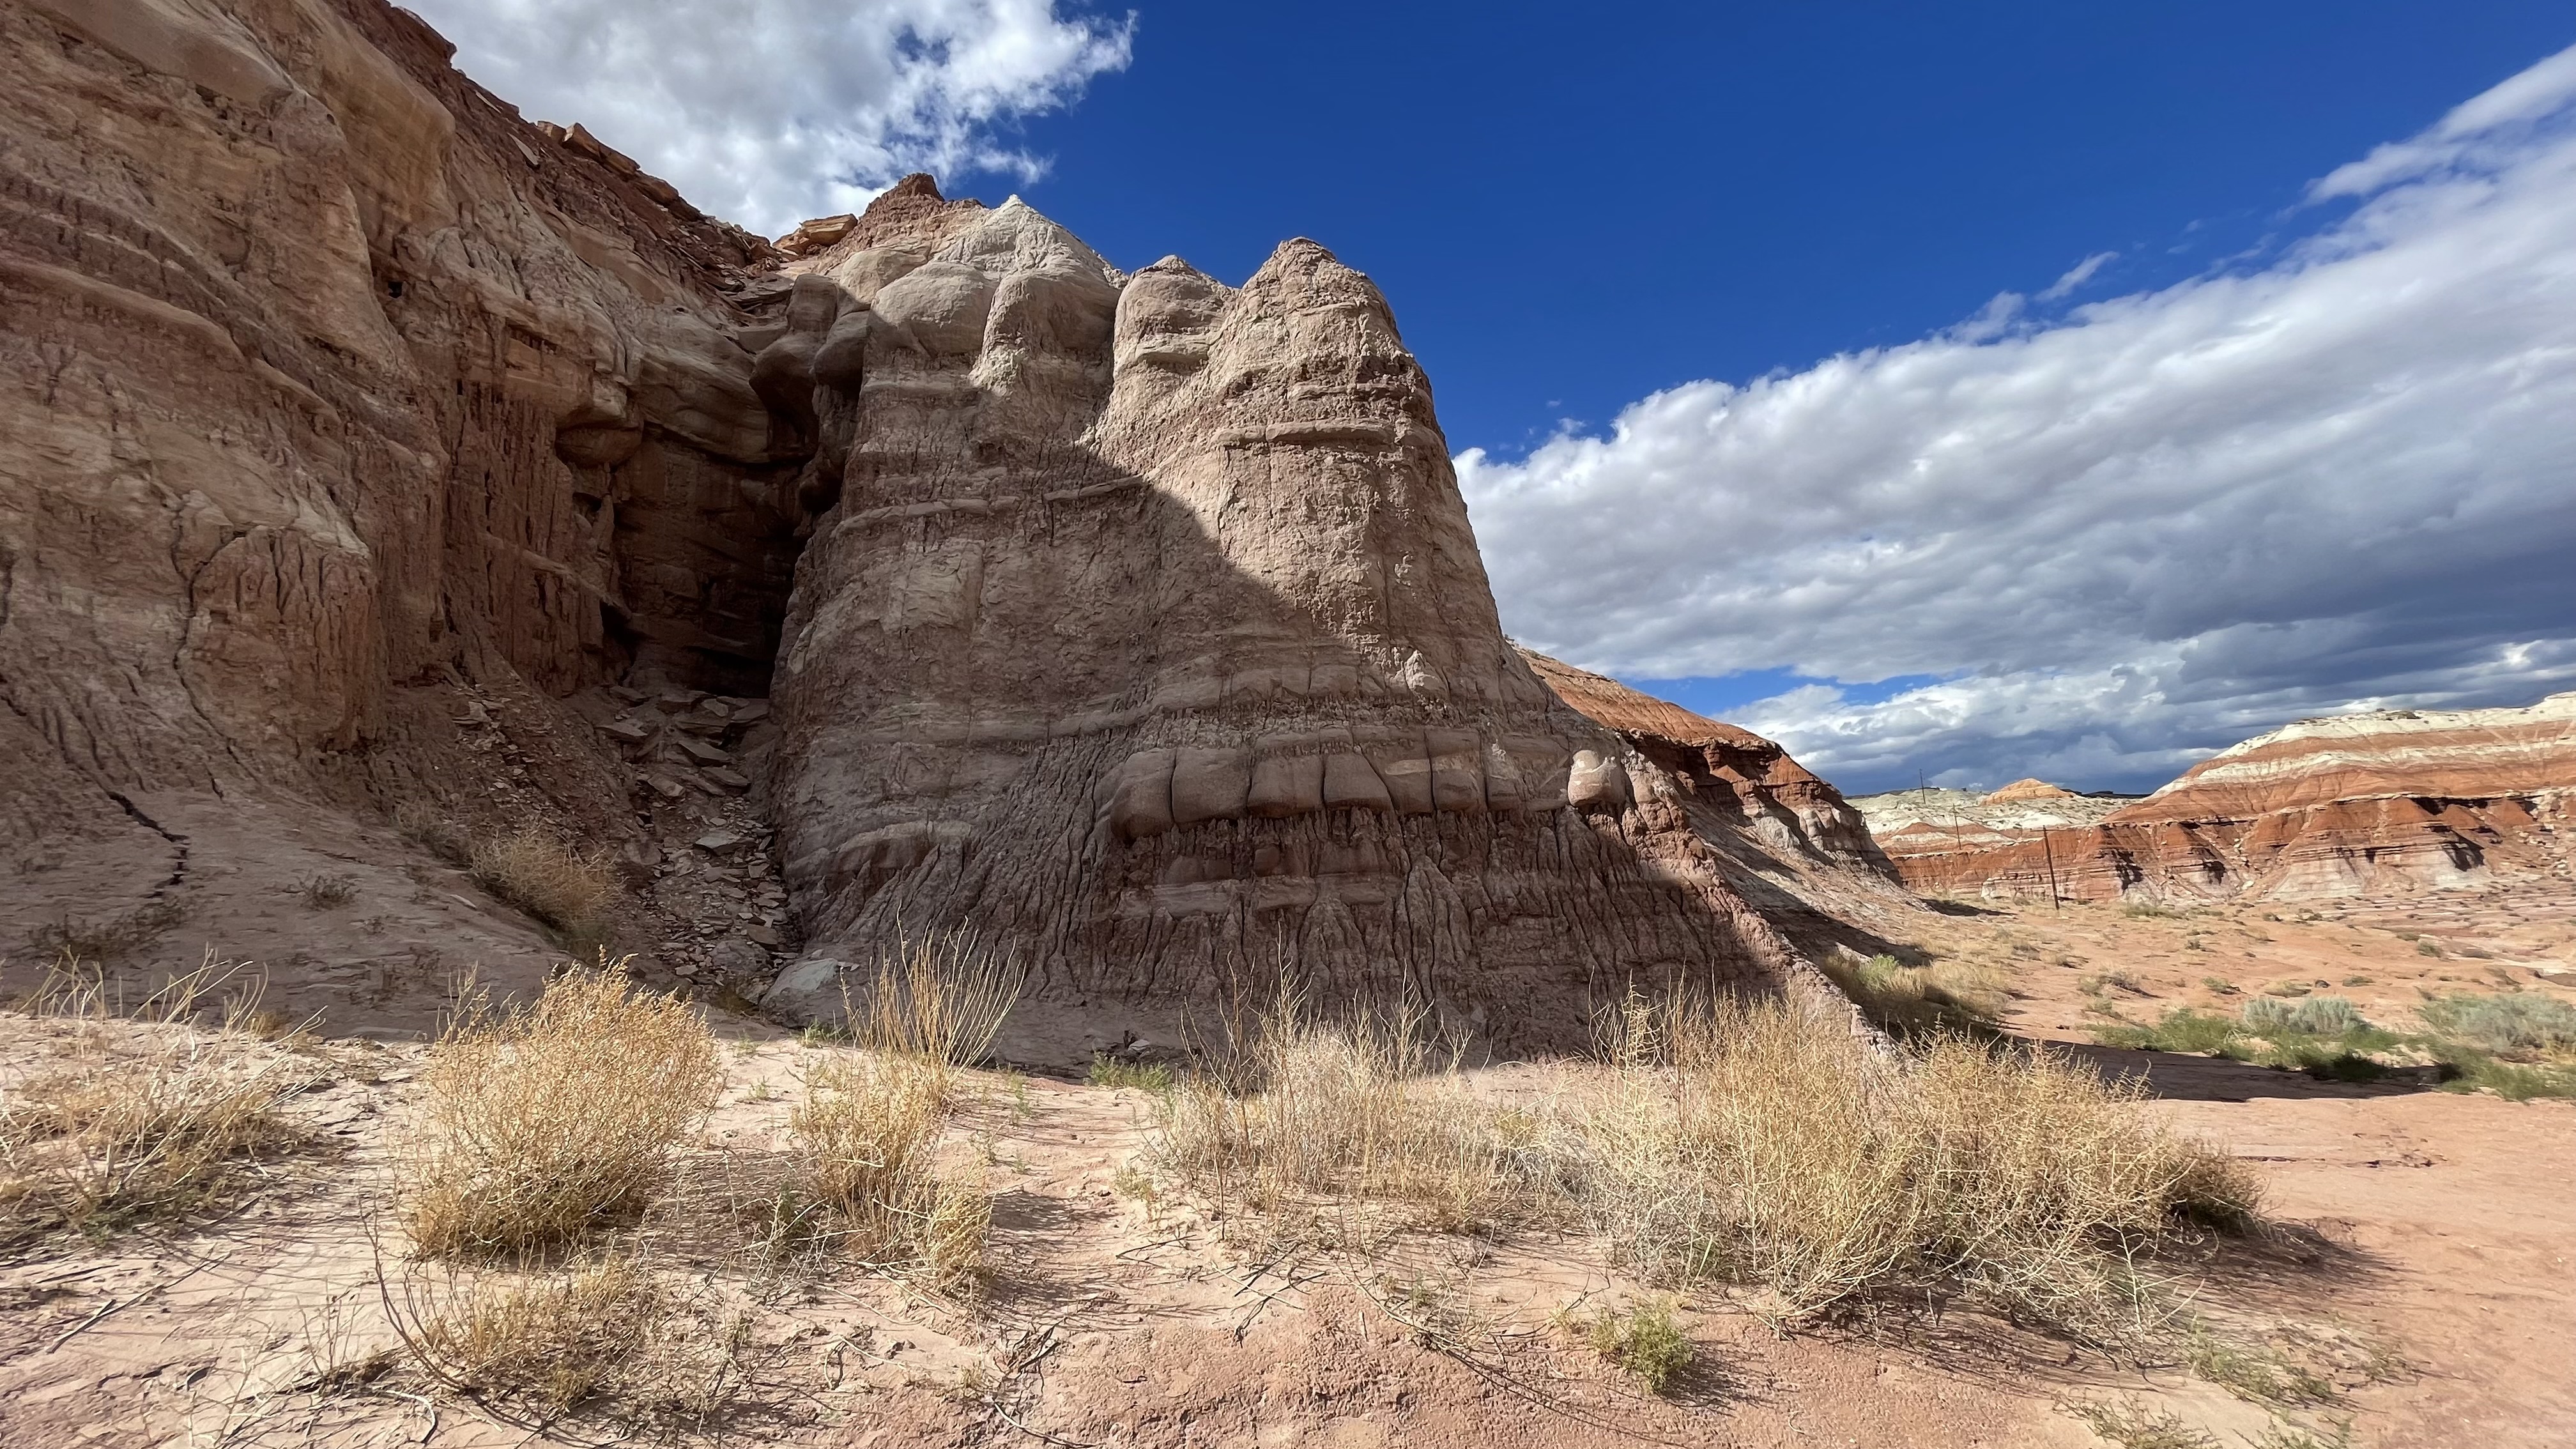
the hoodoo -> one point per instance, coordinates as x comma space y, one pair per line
1146, 635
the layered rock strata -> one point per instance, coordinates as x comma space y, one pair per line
2387, 801
354, 433
369, 445
332, 381
1784, 839
1746, 783
1958, 814
1145, 635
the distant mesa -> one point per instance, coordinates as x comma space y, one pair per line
2027, 789
2390, 801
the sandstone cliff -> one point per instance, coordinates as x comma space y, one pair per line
1784, 839
368, 445
2358, 804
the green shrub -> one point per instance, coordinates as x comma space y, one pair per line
2520, 1024
2479, 1072
1646, 1342
2315, 1016
2181, 1030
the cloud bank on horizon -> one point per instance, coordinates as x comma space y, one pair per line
2124, 534
767, 112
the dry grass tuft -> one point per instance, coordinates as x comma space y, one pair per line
599, 1333
1762, 1145
326, 892
548, 1123
2134, 1426
868, 1134
940, 1001
79, 940
1360, 1108
151, 1121
425, 826
1742, 1142
868, 1131
1918, 1001
537, 872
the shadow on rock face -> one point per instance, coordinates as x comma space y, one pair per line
1147, 641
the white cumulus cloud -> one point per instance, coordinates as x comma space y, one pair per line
2132, 533
770, 111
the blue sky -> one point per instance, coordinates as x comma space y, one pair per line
1572, 207
1981, 390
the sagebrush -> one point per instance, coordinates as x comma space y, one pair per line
2520, 1024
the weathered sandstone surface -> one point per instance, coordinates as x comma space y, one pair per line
1746, 784
366, 445
2347, 805
1145, 634
357, 432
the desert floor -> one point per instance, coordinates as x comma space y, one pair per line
2420, 1264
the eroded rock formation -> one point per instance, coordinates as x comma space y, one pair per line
333, 383
354, 434
1146, 634
2359, 804
368, 444
1748, 783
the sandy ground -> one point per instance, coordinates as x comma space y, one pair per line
2423, 1262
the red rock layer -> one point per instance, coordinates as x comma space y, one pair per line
1727, 767
2346, 805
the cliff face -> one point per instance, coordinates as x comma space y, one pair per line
332, 388
366, 444
2348, 805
